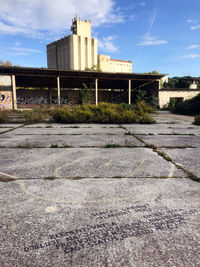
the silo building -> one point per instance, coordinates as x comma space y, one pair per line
76, 51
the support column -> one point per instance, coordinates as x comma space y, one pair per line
129, 92
96, 91
14, 94
50, 97
58, 87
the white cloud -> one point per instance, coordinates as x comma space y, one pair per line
151, 40
194, 46
19, 51
191, 21
106, 44
195, 27
132, 17
191, 56
142, 3
39, 18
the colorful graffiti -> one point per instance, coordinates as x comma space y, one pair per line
38, 100
5, 100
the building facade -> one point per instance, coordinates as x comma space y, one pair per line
76, 51
106, 64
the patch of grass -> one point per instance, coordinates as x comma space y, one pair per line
197, 120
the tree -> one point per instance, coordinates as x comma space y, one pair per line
6, 63
153, 72
94, 68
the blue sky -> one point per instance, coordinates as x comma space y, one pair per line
162, 35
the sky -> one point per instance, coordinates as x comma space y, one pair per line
162, 35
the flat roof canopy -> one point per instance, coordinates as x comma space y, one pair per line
42, 77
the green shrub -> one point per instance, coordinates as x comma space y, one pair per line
63, 115
146, 119
188, 107
37, 115
104, 113
142, 107
197, 119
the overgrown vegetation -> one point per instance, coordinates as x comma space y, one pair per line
188, 107
87, 113
105, 113
37, 115
179, 82
86, 93
197, 119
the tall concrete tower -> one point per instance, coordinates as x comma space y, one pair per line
76, 51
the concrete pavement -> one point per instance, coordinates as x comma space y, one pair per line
100, 195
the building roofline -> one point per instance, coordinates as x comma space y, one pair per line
118, 60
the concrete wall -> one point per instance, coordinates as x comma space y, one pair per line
5, 99
120, 66
5, 92
81, 28
73, 52
165, 95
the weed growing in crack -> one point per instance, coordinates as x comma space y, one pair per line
76, 178
112, 145
5, 179
128, 133
50, 178
54, 146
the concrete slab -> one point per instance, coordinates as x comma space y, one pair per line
3, 130
10, 125
85, 162
158, 129
119, 222
189, 158
12, 140
167, 117
72, 125
66, 131
105, 206
172, 140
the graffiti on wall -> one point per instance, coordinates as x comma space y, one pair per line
5, 100
63, 100
38, 100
